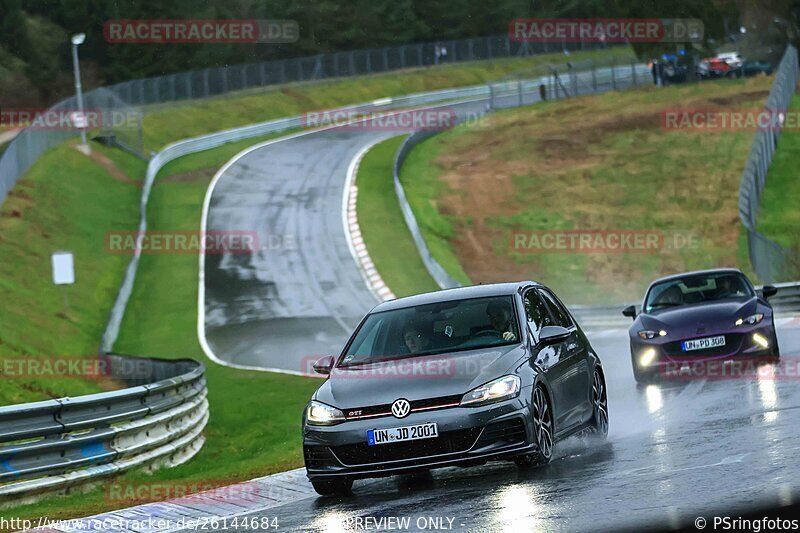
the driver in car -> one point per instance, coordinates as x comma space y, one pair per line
728, 288
500, 319
414, 339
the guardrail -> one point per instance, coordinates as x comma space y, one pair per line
56, 444
31, 143
213, 140
768, 258
506, 94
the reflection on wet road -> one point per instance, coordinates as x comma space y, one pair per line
674, 452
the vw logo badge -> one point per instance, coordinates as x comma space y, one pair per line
401, 408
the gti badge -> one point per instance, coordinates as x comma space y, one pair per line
401, 408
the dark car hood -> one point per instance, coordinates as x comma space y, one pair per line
417, 378
687, 319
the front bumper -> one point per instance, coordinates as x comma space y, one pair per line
466, 435
667, 351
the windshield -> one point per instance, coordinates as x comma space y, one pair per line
696, 289
452, 326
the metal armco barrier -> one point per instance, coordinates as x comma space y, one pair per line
213, 140
769, 259
157, 421
587, 77
30, 144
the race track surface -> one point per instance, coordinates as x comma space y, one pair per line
302, 294
674, 452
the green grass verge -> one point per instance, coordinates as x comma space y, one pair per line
421, 182
66, 202
591, 163
779, 217
162, 126
383, 228
242, 442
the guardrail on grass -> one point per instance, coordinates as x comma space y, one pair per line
53, 445
587, 77
214, 140
769, 259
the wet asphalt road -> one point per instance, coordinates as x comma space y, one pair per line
674, 452
301, 295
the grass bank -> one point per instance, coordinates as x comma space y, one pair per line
779, 217
179, 121
600, 164
161, 320
382, 226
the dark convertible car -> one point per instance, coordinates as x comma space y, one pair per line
455, 377
700, 316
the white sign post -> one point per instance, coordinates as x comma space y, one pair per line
63, 271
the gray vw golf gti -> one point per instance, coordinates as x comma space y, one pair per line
455, 377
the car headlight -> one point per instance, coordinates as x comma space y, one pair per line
648, 334
751, 320
320, 414
502, 388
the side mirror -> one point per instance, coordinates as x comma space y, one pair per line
324, 365
553, 335
769, 290
629, 311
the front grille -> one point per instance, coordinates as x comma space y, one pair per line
449, 442
416, 405
508, 431
733, 342
318, 456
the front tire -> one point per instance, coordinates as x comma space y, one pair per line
332, 487
543, 431
599, 406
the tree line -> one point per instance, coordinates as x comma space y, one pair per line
36, 68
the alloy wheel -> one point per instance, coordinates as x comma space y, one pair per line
542, 424
600, 400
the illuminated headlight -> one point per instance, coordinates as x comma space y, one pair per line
647, 357
750, 320
320, 414
761, 340
500, 389
648, 334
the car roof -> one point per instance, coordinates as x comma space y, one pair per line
459, 293
699, 272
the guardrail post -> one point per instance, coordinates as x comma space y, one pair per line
613, 74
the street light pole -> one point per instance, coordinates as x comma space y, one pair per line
77, 40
